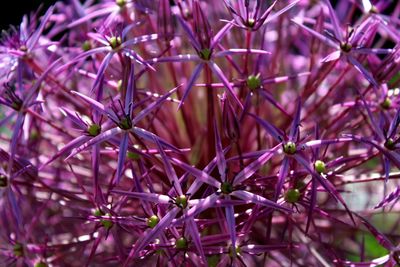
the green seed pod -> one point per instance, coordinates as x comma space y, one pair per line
152, 221
289, 148
18, 250
181, 243
181, 201
385, 104
389, 144
253, 82
292, 195
319, 166
41, 264
205, 54
94, 129
86, 46
120, 3
226, 188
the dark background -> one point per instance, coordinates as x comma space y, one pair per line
12, 11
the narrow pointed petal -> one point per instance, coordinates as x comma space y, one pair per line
380, 237
394, 124
153, 233
171, 174
190, 82
335, 21
93, 103
217, 71
221, 162
220, 34
190, 33
283, 171
367, 75
153, 106
394, 196
201, 206
230, 222
329, 187
195, 234
256, 199
77, 142
74, 117
146, 196
250, 169
35, 37
177, 58
319, 36
294, 128
102, 68
130, 89
82, 56
281, 11
332, 56
140, 39
96, 140
276, 133
201, 175
123, 146
239, 51
148, 136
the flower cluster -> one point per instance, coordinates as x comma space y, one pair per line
201, 133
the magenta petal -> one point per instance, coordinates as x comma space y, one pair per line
335, 21
249, 170
146, 196
220, 34
217, 71
153, 106
93, 103
190, 82
123, 146
256, 199
201, 175
104, 136
171, 174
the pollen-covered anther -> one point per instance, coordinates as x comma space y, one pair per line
289, 148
